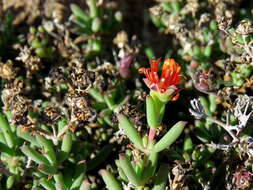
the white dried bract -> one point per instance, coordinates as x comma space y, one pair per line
242, 112
198, 110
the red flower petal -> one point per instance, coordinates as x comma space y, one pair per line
171, 73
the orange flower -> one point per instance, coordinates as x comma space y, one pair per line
170, 76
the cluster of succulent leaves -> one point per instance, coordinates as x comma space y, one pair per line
39, 40
97, 22
99, 139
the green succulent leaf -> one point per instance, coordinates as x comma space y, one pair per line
66, 146
27, 136
152, 113
188, 145
48, 170
130, 131
96, 25
161, 178
110, 181
150, 166
10, 182
5, 128
60, 185
96, 95
47, 184
85, 185
170, 137
94, 10
78, 12
48, 148
129, 171
34, 155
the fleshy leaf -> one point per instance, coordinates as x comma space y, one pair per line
170, 137
130, 131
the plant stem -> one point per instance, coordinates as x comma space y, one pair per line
140, 188
151, 135
224, 126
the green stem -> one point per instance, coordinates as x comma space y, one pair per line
140, 188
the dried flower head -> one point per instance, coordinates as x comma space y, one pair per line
7, 70
170, 77
51, 114
79, 105
242, 178
203, 81
31, 62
